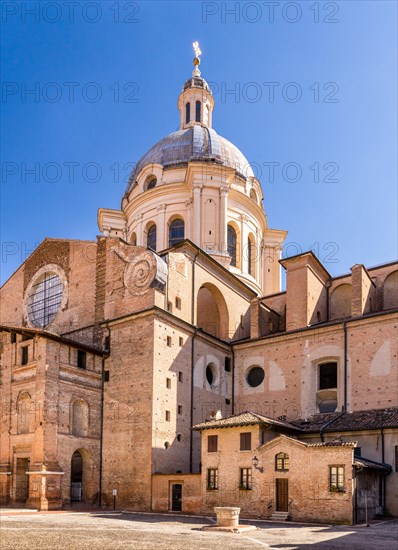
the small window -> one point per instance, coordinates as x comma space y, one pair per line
197, 111
176, 232
106, 376
133, 239
231, 245
211, 374
151, 183
166, 444
179, 437
396, 458
178, 303
327, 376
151, 237
180, 376
336, 479
167, 416
357, 452
246, 478
212, 443
179, 409
255, 376
282, 462
13, 337
169, 341
246, 441
24, 355
212, 479
81, 359
187, 112
180, 341
169, 307
227, 364
168, 383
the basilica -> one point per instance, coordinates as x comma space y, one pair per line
161, 367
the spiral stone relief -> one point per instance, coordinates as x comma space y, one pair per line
140, 270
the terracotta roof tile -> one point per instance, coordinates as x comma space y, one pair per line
247, 418
372, 419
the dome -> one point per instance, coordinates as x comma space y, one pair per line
197, 143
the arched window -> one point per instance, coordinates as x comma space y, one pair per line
197, 111
150, 183
133, 239
251, 254
231, 237
151, 237
187, 112
176, 232
282, 461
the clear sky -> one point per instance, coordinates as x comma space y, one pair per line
308, 88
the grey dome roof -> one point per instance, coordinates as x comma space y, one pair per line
197, 143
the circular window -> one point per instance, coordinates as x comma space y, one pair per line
255, 376
44, 299
209, 375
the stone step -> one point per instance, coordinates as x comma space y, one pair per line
280, 516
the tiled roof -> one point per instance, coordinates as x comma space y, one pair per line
52, 336
372, 419
360, 462
246, 419
333, 444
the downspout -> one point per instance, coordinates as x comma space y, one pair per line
345, 365
104, 357
233, 380
192, 361
383, 486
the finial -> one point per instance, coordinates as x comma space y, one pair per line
196, 60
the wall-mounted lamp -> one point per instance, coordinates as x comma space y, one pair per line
255, 462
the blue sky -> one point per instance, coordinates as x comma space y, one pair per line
107, 78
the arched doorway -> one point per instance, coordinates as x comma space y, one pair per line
76, 477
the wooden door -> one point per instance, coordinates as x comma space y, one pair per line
282, 495
22, 480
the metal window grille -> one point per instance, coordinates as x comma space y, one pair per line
44, 300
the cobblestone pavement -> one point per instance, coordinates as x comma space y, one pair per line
116, 530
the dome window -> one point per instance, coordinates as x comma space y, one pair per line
197, 111
150, 183
253, 195
187, 112
231, 237
151, 237
176, 232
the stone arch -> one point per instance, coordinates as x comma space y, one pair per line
80, 418
234, 249
340, 301
82, 473
150, 182
212, 311
25, 413
390, 291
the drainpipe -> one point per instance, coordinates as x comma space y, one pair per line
345, 364
192, 361
233, 380
108, 351
383, 486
